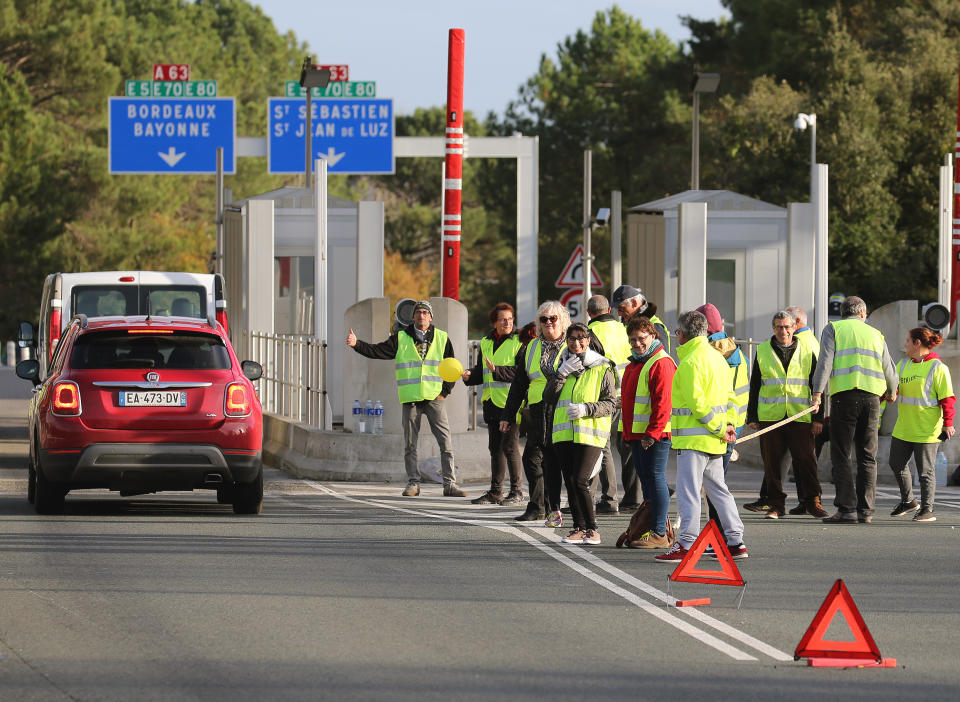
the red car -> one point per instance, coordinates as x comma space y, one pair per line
141, 405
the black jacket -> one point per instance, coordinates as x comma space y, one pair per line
387, 350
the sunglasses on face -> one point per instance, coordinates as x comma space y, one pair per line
549, 320
577, 339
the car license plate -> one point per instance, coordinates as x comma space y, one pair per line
153, 398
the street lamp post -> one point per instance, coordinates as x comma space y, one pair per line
311, 77
803, 121
702, 83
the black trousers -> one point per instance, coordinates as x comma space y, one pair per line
577, 461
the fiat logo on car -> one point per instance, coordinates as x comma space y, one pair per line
153, 377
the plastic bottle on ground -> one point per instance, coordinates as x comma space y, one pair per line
941, 470
378, 418
357, 417
368, 417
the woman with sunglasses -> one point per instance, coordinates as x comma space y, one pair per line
584, 390
535, 365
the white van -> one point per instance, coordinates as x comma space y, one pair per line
125, 293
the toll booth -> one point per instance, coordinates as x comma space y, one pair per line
270, 265
748, 257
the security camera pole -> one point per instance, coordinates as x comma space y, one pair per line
587, 261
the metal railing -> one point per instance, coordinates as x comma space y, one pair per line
294, 381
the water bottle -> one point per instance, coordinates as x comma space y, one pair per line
941, 470
368, 416
378, 418
357, 417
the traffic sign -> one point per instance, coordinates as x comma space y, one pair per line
343, 88
573, 300
572, 275
170, 88
171, 71
171, 135
353, 135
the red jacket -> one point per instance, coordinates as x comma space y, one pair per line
660, 383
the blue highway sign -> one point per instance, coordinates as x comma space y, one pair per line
353, 135
171, 135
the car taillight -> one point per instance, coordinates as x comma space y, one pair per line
237, 401
54, 331
222, 317
66, 398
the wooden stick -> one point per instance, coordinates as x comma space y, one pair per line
775, 426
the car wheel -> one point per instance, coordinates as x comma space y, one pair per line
248, 497
47, 497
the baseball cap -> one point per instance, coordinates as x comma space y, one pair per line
624, 292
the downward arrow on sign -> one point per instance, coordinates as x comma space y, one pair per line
331, 157
171, 158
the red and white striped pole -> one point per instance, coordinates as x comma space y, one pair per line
955, 239
453, 166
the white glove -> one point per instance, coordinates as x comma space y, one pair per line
570, 366
575, 410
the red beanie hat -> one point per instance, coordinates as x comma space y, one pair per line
714, 320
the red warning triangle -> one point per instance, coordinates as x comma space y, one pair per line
813, 645
688, 570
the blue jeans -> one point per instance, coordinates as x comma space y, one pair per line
651, 467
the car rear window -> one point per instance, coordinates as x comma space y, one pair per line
182, 350
129, 300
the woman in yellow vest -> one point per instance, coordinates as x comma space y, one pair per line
925, 409
534, 365
646, 400
495, 369
585, 392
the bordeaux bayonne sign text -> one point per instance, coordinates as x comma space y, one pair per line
171, 135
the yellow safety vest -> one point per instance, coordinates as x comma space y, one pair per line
740, 392
505, 355
809, 339
858, 358
654, 319
534, 374
922, 386
613, 335
701, 398
419, 379
783, 393
641, 403
592, 431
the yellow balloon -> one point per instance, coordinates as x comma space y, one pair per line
450, 369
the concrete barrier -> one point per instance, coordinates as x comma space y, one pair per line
308, 452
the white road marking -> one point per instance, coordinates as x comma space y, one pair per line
653, 609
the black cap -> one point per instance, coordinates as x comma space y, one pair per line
624, 292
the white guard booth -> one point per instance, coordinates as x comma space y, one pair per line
749, 258
270, 268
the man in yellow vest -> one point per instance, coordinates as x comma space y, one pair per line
628, 301
804, 337
855, 360
779, 388
701, 426
417, 351
613, 336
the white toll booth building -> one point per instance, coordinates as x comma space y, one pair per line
747, 257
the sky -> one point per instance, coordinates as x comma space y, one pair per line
402, 44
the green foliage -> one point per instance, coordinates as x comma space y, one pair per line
617, 91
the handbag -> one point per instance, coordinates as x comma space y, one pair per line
640, 523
